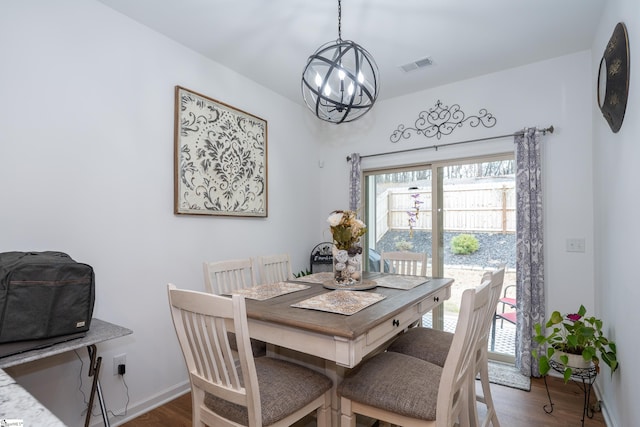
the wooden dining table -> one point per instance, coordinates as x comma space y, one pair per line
334, 343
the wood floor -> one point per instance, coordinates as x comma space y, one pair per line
516, 408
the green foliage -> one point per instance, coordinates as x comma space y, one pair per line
464, 244
304, 272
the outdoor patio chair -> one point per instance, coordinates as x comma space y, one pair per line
508, 301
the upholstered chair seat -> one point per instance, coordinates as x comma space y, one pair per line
284, 388
384, 382
431, 345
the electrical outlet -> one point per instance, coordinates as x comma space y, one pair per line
120, 359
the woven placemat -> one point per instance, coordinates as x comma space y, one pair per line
399, 281
316, 277
341, 302
270, 290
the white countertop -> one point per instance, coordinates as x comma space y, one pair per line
17, 404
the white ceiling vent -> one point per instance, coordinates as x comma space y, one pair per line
420, 63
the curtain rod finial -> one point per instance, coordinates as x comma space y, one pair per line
551, 129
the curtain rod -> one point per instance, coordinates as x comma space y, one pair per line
550, 129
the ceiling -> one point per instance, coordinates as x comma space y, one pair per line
269, 41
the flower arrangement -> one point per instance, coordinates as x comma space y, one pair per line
574, 334
346, 229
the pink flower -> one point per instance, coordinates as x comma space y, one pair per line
574, 317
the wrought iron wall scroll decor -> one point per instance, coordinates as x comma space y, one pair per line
442, 120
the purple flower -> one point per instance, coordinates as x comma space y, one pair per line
574, 317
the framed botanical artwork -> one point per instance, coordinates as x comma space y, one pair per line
220, 158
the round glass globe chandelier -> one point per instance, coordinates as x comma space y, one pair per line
340, 82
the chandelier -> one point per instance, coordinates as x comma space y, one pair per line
340, 82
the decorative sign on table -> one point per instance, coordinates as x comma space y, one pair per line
270, 290
341, 302
220, 158
399, 281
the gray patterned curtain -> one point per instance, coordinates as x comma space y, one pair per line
529, 261
354, 182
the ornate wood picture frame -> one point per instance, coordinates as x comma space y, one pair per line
220, 158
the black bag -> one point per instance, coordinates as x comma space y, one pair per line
43, 295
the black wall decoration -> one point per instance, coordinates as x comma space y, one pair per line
442, 120
613, 78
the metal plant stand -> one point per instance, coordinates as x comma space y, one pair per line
583, 377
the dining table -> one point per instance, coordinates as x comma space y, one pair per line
333, 328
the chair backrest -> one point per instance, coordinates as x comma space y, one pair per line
402, 262
201, 321
275, 268
223, 277
497, 279
459, 371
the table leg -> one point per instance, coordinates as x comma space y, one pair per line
94, 371
336, 373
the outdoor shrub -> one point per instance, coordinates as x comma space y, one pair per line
464, 244
403, 245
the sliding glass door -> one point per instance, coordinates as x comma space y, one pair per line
461, 214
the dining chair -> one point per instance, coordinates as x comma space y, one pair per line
224, 277
404, 390
403, 262
275, 268
434, 345
248, 391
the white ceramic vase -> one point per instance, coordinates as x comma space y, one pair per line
575, 360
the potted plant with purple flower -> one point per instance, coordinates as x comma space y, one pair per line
573, 334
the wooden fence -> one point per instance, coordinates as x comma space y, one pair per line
487, 208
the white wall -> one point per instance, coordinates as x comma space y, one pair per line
86, 148
616, 176
87, 144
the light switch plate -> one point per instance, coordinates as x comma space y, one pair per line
575, 245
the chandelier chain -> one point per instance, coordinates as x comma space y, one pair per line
339, 20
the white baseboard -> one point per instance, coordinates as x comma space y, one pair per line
603, 406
